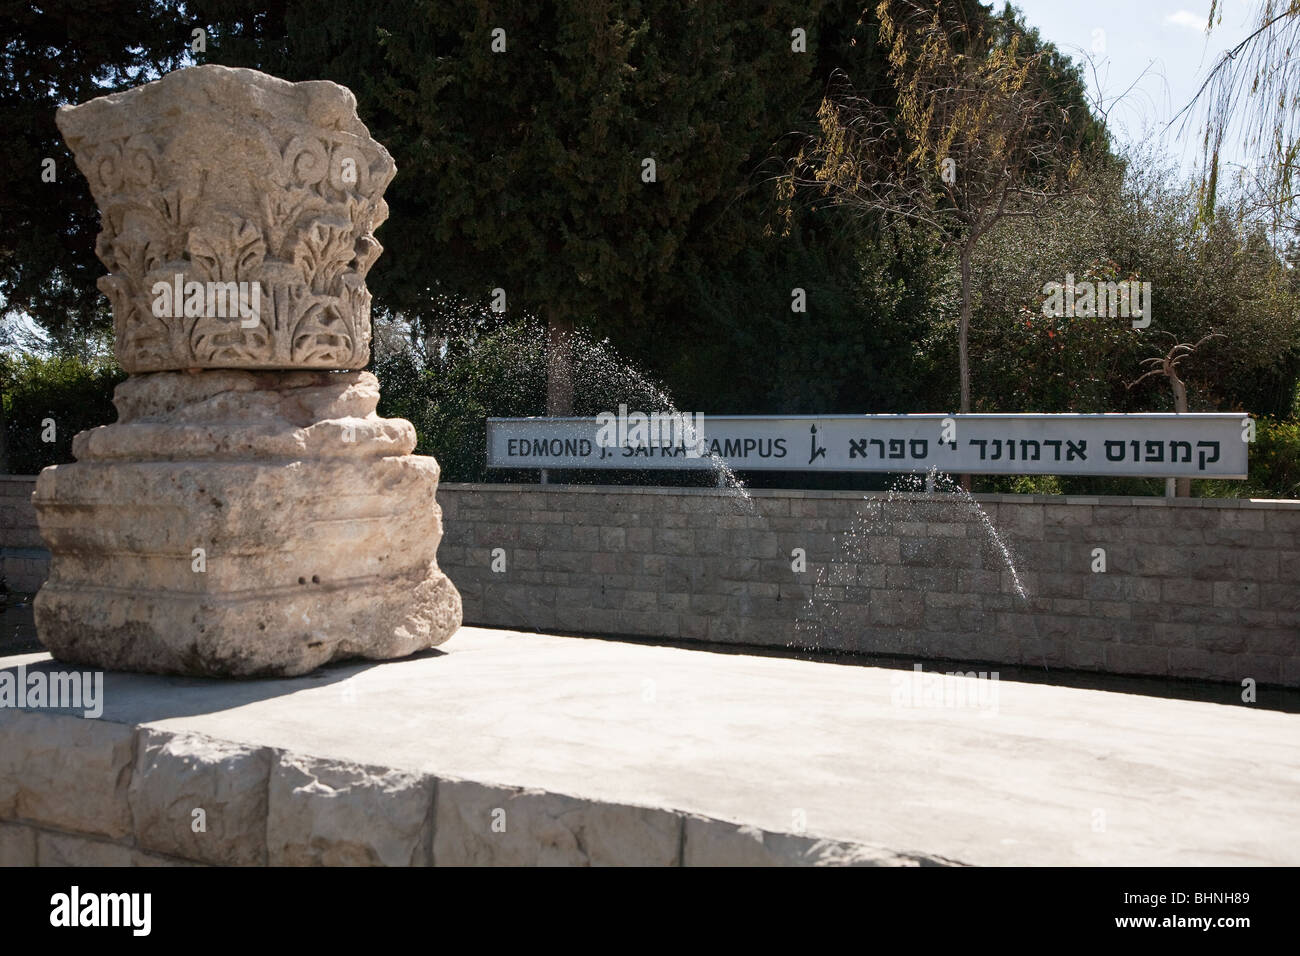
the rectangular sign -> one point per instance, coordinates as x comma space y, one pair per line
1155, 445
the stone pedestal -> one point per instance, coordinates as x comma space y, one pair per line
248, 514
243, 523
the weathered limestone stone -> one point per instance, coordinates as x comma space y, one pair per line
479, 825
63, 849
178, 774
719, 843
316, 530
229, 175
327, 813
17, 845
153, 860
65, 772
248, 514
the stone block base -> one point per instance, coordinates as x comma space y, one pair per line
273, 632
243, 524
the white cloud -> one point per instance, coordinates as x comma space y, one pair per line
1185, 18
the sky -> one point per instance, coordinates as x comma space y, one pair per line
1166, 38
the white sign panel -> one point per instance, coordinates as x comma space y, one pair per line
1202, 445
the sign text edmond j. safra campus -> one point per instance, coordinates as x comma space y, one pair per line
1202, 445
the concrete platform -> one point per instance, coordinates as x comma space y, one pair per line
736, 759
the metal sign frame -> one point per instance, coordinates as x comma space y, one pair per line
1144, 445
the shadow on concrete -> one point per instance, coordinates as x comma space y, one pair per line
141, 698
1267, 696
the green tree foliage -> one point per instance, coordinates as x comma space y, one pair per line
72, 393
448, 395
58, 52
1274, 464
865, 341
1136, 221
448, 386
1253, 92
524, 169
985, 123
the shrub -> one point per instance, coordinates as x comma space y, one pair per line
52, 397
1274, 465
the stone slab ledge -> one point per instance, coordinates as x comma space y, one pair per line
82, 792
511, 748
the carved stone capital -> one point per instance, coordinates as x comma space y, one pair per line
211, 176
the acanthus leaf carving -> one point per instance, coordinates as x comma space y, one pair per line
226, 251
293, 210
323, 251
